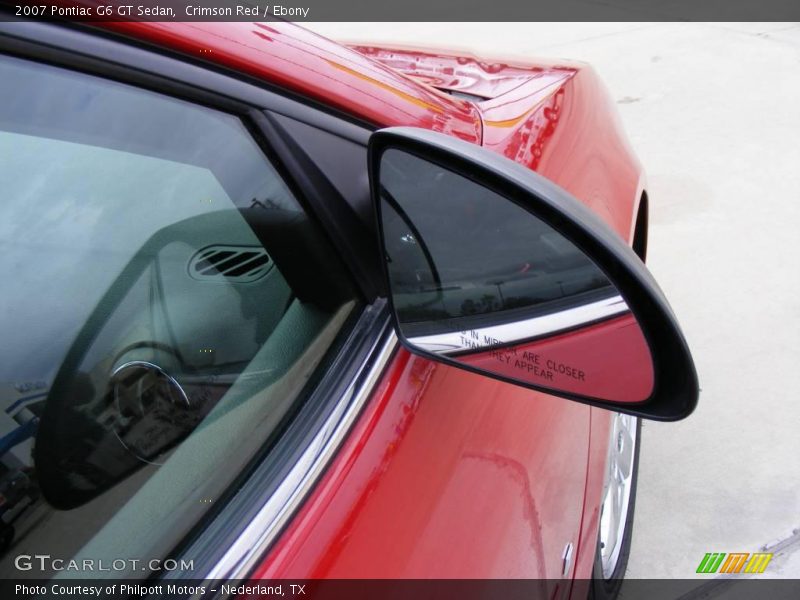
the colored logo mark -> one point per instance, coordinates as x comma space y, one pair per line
735, 562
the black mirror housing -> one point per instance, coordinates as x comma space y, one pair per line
494, 269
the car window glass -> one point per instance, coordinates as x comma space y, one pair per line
165, 302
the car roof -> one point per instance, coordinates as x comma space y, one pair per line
290, 57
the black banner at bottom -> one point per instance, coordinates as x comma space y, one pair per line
392, 589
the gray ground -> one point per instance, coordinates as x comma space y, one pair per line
714, 113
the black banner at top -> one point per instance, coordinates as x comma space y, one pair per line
404, 10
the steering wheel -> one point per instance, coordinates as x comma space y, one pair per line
98, 426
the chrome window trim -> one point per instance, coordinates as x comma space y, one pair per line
251, 545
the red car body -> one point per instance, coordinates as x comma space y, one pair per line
448, 474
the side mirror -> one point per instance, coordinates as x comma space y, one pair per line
493, 269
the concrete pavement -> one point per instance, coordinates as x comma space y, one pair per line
713, 111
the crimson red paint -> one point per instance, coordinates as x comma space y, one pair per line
446, 473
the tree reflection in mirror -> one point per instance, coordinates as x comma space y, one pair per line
479, 280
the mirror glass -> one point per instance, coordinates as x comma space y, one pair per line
478, 280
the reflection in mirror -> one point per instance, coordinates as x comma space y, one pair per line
478, 280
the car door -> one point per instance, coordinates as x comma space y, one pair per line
448, 475
473, 477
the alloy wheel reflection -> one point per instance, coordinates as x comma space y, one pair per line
617, 495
